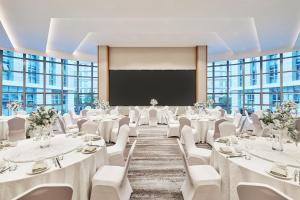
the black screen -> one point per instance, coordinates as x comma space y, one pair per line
137, 87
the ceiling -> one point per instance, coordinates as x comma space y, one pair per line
74, 28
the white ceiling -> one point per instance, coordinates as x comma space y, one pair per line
73, 28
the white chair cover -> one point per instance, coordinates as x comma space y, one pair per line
215, 133
48, 192
90, 127
202, 181
111, 182
16, 129
257, 191
80, 122
115, 131
116, 152
196, 156
227, 129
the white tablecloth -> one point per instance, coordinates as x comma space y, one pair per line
202, 124
235, 170
77, 170
4, 125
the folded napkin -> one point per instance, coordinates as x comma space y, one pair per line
89, 149
39, 166
222, 140
279, 171
226, 149
96, 137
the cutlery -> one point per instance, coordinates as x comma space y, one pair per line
237, 156
4, 170
57, 160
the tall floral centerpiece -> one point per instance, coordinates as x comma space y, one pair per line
14, 106
41, 122
101, 104
282, 121
199, 106
153, 102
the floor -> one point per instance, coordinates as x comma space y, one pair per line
156, 169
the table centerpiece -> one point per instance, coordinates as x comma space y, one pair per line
41, 122
153, 102
282, 123
102, 104
200, 106
14, 106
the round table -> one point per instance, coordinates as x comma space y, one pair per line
238, 169
77, 168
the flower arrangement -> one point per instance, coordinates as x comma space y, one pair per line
41, 118
14, 105
210, 102
282, 118
199, 106
101, 104
153, 102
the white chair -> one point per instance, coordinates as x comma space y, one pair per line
115, 131
183, 121
114, 111
222, 111
116, 152
69, 123
237, 120
227, 129
153, 117
105, 129
134, 123
249, 121
257, 127
202, 182
195, 156
258, 191
47, 192
111, 182
16, 129
84, 112
73, 115
173, 126
215, 133
80, 122
90, 127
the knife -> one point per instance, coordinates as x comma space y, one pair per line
235, 156
58, 162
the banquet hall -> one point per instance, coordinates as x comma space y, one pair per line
149, 100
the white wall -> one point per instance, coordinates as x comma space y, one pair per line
152, 58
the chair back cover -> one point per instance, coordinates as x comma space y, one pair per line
257, 191
217, 129
122, 137
237, 119
72, 113
67, 119
123, 121
48, 192
227, 129
89, 127
297, 124
80, 122
16, 129
136, 115
62, 124
84, 112
128, 160
222, 111
248, 117
183, 121
187, 134
185, 162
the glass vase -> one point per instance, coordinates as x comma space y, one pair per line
45, 138
278, 140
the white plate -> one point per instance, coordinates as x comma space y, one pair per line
289, 177
29, 172
89, 152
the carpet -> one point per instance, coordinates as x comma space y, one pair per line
156, 170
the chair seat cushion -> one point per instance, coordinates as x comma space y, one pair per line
113, 150
204, 175
72, 126
109, 175
174, 125
200, 152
